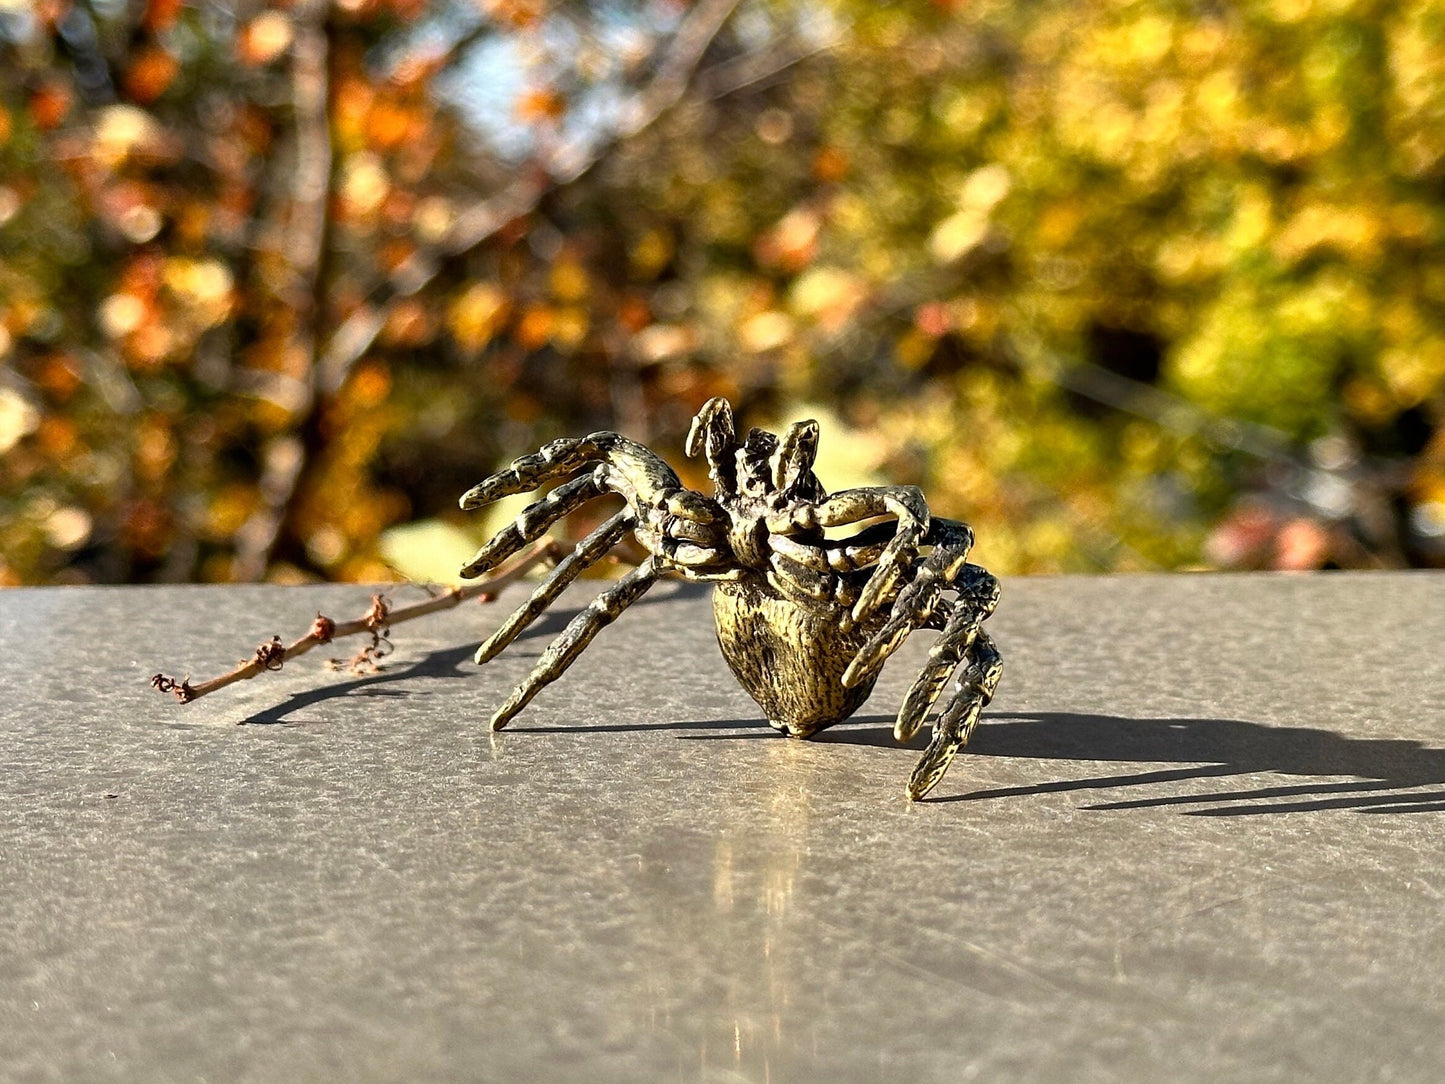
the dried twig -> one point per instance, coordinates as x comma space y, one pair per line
377, 621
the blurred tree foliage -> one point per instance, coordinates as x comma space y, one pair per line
1125, 284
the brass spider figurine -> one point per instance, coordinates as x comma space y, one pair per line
805, 620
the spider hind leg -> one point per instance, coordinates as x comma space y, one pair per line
914, 605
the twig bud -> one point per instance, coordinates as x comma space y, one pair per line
271, 655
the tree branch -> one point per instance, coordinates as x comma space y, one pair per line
284, 456
565, 164
740, 72
439, 60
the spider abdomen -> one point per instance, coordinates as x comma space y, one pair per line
789, 657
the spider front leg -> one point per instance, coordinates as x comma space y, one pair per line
621, 466
962, 649
916, 604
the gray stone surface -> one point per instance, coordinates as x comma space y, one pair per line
1198, 837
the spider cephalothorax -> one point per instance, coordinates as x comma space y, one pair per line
805, 620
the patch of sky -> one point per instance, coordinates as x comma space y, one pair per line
596, 55
589, 55
18, 23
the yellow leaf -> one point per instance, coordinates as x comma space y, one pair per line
475, 316
766, 331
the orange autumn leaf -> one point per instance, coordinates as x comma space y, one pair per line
370, 385
517, 14
388, 125
408, 324
58, 437
534, 329
153, 70
634, 313
146, 527
541, 104
793, 242
162, 14
50, 104
933, 319
830, 165
60, 376
408, 10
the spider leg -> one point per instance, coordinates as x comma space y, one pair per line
820, 570
917, 601
533, 523
643, 473
962, 650
862, 549
893, 561
561, 653
588, 552
801, 553
801, 580
978, 597
851, 505
684, 527
973, 688
812, 573
849, 555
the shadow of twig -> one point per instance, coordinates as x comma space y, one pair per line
446, 662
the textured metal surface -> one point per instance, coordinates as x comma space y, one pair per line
1199, 836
